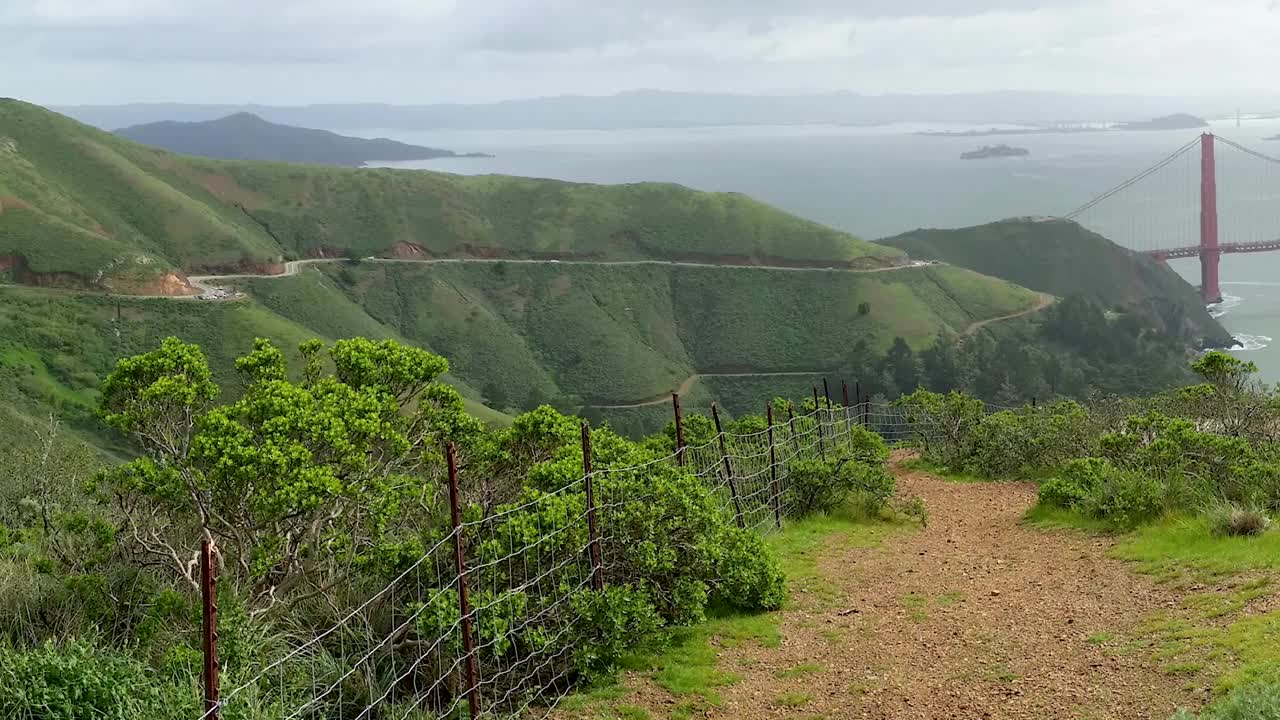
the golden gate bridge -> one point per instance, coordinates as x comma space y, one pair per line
1230, 203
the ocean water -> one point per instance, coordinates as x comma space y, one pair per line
881, 181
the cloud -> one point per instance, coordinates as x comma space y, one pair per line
431, 50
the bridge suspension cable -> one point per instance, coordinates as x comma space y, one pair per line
1133, 180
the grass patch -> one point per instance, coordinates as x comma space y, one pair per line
1173, 545
1099, 638
794, 699
1048, 517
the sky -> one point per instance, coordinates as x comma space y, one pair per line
426, 51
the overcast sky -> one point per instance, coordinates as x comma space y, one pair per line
422, 51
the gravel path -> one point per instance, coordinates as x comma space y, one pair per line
974, 616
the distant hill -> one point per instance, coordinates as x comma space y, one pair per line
655, 108
1062, 258
1179, 121
79, 206
245, 136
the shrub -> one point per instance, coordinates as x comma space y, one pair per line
943, 425
815, 486
611, 621
748, 576
1232, 520
1076, 482
78, 681
1126, 498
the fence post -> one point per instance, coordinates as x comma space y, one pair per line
848, 422
464, 605
817, 417
826, 392
1033, 402
866, 410
209, 596
791, 422
773, 470
728, 469
675, 403
593, 536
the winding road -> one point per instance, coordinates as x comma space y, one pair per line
207, 284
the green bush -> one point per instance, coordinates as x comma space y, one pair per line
748, 576
611, 621
78, 681
817, 486
1126, 499
1075, 483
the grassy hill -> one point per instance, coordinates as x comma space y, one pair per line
1062, 258
83, 206
516, 335
608, 335
245, 136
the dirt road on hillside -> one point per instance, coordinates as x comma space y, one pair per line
974, 616
1043, 301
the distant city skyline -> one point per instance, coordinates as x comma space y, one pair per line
433, 51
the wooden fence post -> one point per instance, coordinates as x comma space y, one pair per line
773, 470
675, 403
209, 596
464, 605
728, 469
593, 536
848, 421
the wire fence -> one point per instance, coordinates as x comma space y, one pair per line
485, 621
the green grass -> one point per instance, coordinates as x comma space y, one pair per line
794, 699
1049, 517
1179, 544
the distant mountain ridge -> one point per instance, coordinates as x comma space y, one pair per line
245, 136
651, 108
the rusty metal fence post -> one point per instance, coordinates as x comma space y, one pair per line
593, 535
817, 418
209, 628
773, 470
728, 468
464, 605
848, 421
675, 403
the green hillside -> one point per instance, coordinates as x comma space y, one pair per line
619, 334
1062, 258
107, 211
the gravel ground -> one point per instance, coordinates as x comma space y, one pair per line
974, 616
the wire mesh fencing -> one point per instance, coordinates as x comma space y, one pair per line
484, 621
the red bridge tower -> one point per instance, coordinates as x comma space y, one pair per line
1210, 253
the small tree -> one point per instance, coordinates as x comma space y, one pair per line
297, 482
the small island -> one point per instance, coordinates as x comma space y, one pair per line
995, 151
1180, 121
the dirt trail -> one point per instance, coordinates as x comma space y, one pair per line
1043, 301
974, 616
